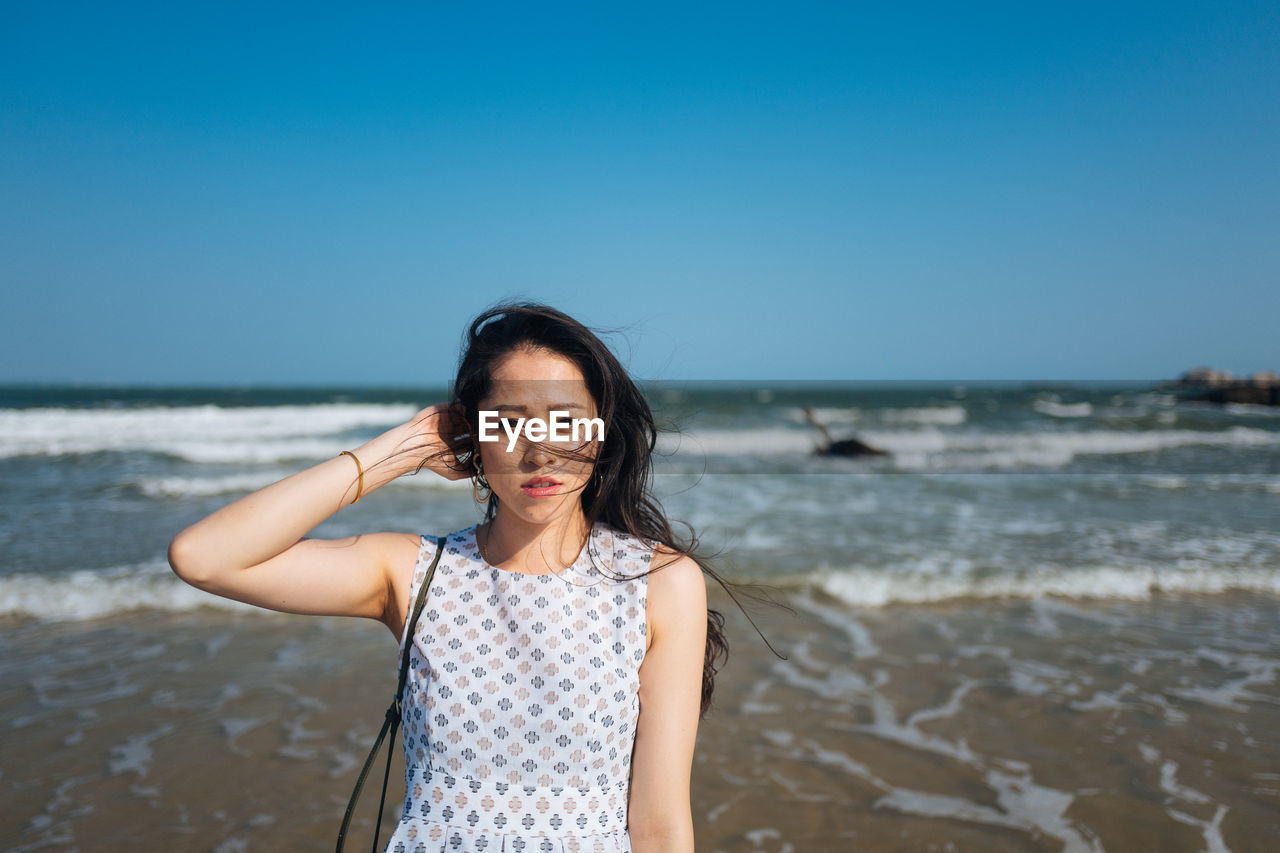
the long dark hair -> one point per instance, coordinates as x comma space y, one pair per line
619, 491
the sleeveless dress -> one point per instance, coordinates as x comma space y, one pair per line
520, 707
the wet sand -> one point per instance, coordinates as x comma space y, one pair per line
985, 726
1016, 727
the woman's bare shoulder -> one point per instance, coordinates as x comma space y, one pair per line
664, 555
401, 551
677, 591
400, 554
399, 545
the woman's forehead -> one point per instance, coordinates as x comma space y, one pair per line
538, 392
526, 377
535, 364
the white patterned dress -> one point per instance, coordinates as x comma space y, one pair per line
519, 714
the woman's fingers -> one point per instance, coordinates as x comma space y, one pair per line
442, 432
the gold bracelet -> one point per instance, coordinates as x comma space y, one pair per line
360, 469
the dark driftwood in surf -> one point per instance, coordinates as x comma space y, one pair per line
843, 447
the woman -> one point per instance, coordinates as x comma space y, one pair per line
565, 654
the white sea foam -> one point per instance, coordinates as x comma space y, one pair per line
739, 442
198, 433
826, 415
949, 415
1214, 482
89, 594
1055, 409
937, 450
199, 487
1023, 804
134, 755
275, 434
1163, 482
1233, 694
933, 449
931, 415
188, 487
1252, 409
881, 587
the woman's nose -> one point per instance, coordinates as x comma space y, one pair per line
537, 454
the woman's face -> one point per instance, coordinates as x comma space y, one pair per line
531, 479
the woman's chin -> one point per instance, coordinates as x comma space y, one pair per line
541, 510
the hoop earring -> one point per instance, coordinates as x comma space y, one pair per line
475, 485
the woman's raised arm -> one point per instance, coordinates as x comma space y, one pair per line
252, 549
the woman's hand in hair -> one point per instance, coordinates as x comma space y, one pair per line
432, 438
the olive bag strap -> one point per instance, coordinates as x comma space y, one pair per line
392, 720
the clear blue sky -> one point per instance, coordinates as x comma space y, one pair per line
289, 192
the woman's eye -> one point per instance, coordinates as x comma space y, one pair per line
510, 423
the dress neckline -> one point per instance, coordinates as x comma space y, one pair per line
583, 556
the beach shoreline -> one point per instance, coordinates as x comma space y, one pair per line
972, 725
1048, 622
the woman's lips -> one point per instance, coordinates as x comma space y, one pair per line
540, 487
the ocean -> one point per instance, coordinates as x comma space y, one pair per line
1046, 619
